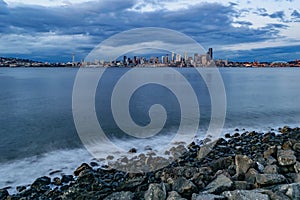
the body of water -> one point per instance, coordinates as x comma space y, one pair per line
38, 134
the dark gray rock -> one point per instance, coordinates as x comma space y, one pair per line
184, 187
241, 185
67, 178
3, 194
286, 157
124, 195
21, 188
269, 179
173, 195
271, 169
41, 184
245, 195
296, 147
156, 192
250, 176
290, 190
207, 197
297, 167
220, 184
82, 167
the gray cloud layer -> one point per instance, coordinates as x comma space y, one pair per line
53, 33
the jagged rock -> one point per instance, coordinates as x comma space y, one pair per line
41, 184
57, 181
173, 195
20, 188
297, 167
245, 195
221, 163
124, 195
207, 197
132, 150
220, 184
184, 187
296, 147
290, 190
81, 168
286, 157
250, 176
3, 194
241, 185
271, 160
269, 179
271, 169
271, 151
66, 178
156, 192
243, 163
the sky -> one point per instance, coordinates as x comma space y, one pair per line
246, 30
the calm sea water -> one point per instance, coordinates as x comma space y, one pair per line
38, 134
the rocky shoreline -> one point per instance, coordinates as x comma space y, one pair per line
243, 166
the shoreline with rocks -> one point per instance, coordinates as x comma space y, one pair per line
249, 165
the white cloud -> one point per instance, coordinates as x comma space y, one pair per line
47, 3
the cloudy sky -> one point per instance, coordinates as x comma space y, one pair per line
51, 30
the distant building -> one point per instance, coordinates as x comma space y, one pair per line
210, 53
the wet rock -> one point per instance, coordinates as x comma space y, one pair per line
271, 151
269, 179
286, 157
243, 163
55, 172
156, 192
94, 164
271, 169
220, 184
221, 163
57, 181
132, 150
241, 185
120, 196
3, 194
21, 188
207, 197
250, 176
296, 147
184, 187
244, 195
290, 190
41, 184
66, 178
81, 168
173, 195
110, 157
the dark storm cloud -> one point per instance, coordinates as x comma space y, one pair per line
285, 53
208, 23
295, 14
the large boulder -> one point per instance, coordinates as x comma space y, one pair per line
207, 197
220, 184
124, 195
3, 194
156, 192
173, 195
41, 184
290, 190
269, 179
184, 187
243, 164
286, 157
82, 167
245, 195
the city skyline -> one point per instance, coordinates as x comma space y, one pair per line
53, 30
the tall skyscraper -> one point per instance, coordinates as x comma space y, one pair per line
210, 53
